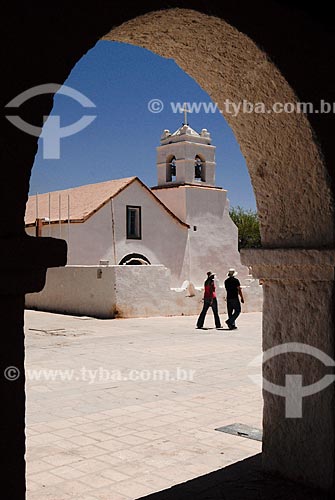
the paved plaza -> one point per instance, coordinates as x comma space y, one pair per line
119, 409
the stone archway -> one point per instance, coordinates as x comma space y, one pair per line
289, 179
292, 190
280, 151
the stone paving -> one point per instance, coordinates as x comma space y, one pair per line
104, 424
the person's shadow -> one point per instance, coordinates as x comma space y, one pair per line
214, 328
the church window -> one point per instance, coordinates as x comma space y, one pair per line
134, 223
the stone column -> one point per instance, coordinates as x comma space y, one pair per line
298, 315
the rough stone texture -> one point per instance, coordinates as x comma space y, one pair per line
298, 307
303, 314
276, 147
291, 264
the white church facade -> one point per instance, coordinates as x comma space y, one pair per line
182, 223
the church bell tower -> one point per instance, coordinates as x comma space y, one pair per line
186, 185
186, 157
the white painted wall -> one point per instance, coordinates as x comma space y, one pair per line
214, 244
76, 290
187, 253
164, 239
107, 292
174, 198
127, 292
89, 242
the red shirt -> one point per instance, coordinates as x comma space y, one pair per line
209, 290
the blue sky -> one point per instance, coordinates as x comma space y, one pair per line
121, 79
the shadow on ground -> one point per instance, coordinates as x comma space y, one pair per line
243, 480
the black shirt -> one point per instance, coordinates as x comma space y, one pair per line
231, 285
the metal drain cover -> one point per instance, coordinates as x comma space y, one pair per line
242, 431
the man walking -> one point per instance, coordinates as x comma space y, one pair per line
209, 301
234, 290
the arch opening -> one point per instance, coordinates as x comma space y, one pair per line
171, 168
134, 259
199, 168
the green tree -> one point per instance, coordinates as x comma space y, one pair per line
248, 227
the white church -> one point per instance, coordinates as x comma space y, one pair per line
181, 225
135, 251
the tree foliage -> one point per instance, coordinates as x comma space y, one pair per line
248, 227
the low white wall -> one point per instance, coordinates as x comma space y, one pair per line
126, 292
76, 290
142, 291
253, 294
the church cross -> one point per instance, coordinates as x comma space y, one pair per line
185, 113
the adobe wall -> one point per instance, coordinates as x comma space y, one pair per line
126, 292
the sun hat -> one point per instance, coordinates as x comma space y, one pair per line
231, 272
210, 274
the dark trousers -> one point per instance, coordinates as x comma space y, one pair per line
207, 304
234, 310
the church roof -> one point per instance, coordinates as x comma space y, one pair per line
186, 133
84, 201
185, 130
